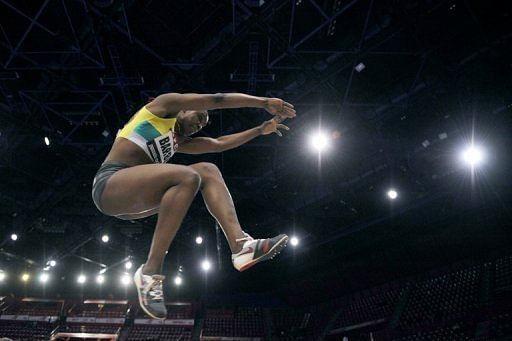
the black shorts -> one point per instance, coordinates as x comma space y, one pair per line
106, 170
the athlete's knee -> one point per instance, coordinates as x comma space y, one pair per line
191, 179
207, 170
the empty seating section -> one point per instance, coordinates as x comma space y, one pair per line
153, 332
451, 306
91, 328
84, 310
179, 312
453, 333
241, 322
35, 308
102, 310
289, 321
174, 312
113, 311
318, 317
501, 326
26, 331
442, 297
504, 273
374, 306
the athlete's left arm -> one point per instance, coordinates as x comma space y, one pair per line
172, 103
200, 145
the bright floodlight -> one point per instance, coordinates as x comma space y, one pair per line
294, 241
2, 276
178, 280
14, 236
199, 240
81, 279
46, 141
319, 141
392, 194
105, 238
473, 156
52, 263
100, 279
206, 265
128, 265
125, 279
43, 278
25, 277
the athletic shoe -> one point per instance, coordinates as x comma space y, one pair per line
151, 295
257, 250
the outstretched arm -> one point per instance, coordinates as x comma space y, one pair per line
172, 103
201, 145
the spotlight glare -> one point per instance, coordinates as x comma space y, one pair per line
105, 238
125, 279
199, 240
128, 265
178, 280
2, 276
52, 263
100, 279
81, 279
206, 265
25, 277
473, 156
44, 277
319, 141
46, 141
14, 236
392, 194
294, 241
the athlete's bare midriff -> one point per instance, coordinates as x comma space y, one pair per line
127, 152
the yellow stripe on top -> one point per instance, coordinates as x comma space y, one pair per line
143, 122
154, 135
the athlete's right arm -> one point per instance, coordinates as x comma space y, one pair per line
200, 145
172, 103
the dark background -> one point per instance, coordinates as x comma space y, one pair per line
75, 71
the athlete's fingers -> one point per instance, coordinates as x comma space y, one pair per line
288, 105
282, 126
279, 133
279, 118
290, 111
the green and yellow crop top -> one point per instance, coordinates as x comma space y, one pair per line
155, 135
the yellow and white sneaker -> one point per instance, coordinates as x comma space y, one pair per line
257, 250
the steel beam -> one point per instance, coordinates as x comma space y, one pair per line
32, 20
14, 51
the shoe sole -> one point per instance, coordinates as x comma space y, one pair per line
274, 251
138, 285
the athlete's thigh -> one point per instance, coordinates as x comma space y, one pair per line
139, 189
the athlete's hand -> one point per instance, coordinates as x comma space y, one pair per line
277, 106
273, 126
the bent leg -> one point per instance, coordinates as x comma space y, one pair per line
219, 202
143, 190
173, 208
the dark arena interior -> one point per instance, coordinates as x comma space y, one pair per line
393, 183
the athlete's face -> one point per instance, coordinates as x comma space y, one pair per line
191, 121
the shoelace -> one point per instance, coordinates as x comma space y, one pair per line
155, 289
